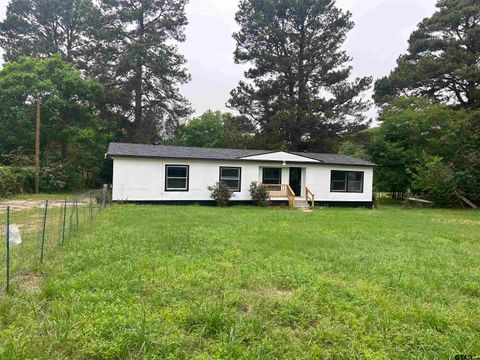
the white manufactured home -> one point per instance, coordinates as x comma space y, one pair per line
159, 173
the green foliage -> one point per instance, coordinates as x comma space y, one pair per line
442, 58
21, 179
424, 146
438, 179
208, 130
53, 178
18, 176
259, 194
41, 28
17, 158
14, 180
221, 193
432, 148
298, 91
139, 55
216, 130
71, 131
467, 183
409, 127
435, 178
355, 143
130, 47
254, 283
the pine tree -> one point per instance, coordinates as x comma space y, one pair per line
141, 63
442, 61
41, 28
129, 46
298, 90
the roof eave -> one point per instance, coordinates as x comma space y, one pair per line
111, 156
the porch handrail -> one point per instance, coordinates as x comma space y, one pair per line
310, 196
281, 191
291, 196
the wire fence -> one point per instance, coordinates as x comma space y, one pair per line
32, 231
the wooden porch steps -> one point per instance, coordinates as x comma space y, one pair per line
276, 191
302, 204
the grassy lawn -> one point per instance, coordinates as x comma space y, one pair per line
202, 282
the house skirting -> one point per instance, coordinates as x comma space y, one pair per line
353, 204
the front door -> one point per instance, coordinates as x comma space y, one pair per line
296, 180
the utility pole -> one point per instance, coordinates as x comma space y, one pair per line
37, 151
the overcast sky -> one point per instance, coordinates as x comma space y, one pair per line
382, 28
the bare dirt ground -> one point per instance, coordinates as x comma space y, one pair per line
29, 204
32, 204
29, 282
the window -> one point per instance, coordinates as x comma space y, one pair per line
272, 175
231, 176
346, 181
176, 177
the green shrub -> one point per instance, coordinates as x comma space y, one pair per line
14, 180
53, 178
259, 194
21, 179
221, 193
467, 183
438, 181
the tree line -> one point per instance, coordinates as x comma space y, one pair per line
428, 141
111, 70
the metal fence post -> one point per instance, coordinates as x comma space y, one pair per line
91, 207
70, 221
7, 237
76, 211
64, 218
43, 230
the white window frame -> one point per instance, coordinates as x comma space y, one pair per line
186, 178
237, 178
347, 182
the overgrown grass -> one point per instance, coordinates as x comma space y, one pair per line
243, 282
42, 196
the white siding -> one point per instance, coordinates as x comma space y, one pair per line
142, 179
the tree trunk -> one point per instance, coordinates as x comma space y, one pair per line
138, 82
301, 100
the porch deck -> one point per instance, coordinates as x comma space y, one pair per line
284, 191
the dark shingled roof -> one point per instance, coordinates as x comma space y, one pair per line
183, 152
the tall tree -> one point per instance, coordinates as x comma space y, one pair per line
72, 133
409, 127
427, 147
297, 91
442, 58
41, 28
140, 61
46, 27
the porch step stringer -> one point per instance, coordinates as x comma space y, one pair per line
302, 204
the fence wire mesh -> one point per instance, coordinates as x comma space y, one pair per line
33, 230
